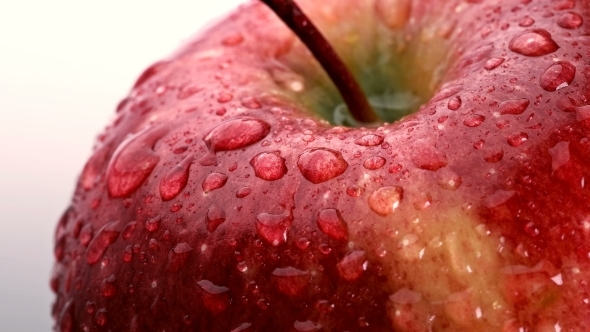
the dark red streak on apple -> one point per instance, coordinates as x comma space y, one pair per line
323, 52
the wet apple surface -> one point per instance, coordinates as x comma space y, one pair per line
226, 195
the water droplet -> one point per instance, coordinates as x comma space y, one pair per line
128, 230
244, 327
269, 166
369, 140
290, 281
559, 75
231, 135
449, 180
188, 90
177, 256
273, 227
127, 255
325, 249
330, 221
374, 163
493, 63
474, 120
517, 138
446, 92
526, 21
406, 296
454, 103
570, 20
514, 106
560, 155
133, 161
215, 217
385, 200
153, 224
233, 40
535, 42
243, 192
498, 197
215, 298
303, 243
393, 13
251, 103
478, 144
429, 158
224, 97
175, 180
86, 234
352, 266
214, 181
176, 207
101, 317
307, 326
355, 190
109, 289
100, 243
320, 165
494, 156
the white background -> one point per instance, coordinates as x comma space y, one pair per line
64, 65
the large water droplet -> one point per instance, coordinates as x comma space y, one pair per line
177, 257
570, 20
374, 163
290, 281
269, 166
307, 326
153, 224
215, 217
369, 140
526, 21
108, 286
352, 266
99, 244
330, 221
493, 63
535, 42
454, 103
494, 156
560, 155
175, 180
498, 197
243, 192
393, 13
133, 161
429, 158
101, 317
320, 165
474, 120
355, 190
231, 135
244, 327
406, 296
215, 298
128, 230
214, 181
559, 75
385, 200
273, 227
517, 138
446, 92
514, 106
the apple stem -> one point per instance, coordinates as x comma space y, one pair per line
351, 92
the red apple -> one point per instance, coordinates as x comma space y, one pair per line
227, 194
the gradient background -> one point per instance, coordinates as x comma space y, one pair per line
64, 65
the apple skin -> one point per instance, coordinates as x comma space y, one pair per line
218, 199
